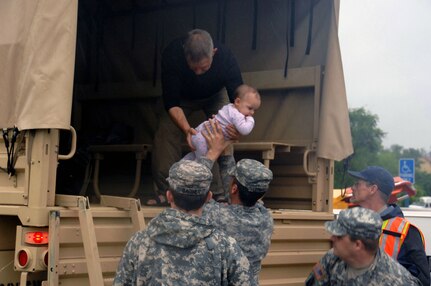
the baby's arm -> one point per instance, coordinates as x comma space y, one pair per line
244, 124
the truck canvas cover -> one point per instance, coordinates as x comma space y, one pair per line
37, 57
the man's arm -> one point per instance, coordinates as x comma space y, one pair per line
127, 268
239, 273
177, 115
215, 140
413, 257
172, 70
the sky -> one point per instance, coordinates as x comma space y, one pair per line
386, 54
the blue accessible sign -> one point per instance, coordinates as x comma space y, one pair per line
407, 170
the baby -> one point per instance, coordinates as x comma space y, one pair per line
239, 114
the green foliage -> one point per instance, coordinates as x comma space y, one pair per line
367, 143
366, 136
367, 140
423, 182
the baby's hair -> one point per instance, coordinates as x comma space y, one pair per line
244, 89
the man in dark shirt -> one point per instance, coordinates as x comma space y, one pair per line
194, 72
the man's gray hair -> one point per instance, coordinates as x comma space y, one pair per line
198, 45
384, 197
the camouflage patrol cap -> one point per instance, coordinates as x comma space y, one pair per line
189, 178
359, 222
252, 174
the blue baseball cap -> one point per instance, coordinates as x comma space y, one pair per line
378, 176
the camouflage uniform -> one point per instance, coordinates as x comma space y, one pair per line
332, 270
252, 226
182, 249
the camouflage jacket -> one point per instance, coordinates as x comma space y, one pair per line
181, 249
331, 270
251, 227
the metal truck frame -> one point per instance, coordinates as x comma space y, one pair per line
50, 238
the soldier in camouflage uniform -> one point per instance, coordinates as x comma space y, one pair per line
179, 247
245, 218
356, 258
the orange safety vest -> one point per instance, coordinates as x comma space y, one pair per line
394, 232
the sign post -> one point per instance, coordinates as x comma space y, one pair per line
407, 169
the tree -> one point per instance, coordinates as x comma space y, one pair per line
367, 143
368, 151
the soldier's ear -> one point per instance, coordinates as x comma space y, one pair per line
234, 188
209, 196
359, 244
169, 196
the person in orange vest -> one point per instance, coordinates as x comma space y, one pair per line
356, 258
400, 239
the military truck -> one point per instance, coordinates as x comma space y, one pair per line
70, 196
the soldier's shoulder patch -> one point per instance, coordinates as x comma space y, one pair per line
318, 271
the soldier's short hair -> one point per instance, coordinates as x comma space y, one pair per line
252, 174
247, 198
189, 203
371, 245
198, 45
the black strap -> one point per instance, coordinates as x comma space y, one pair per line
10, 149
194, 15
310, 27
346, 166
255, 16
292, 23
396, 234
223, 22
286, 62
134, 24
219, 18
155, 56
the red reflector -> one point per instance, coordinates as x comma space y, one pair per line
22, 258
36, 237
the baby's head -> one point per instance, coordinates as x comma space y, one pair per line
247, 99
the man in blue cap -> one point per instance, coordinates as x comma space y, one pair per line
356, 258
400, 239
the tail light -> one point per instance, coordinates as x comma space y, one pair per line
31, 249
36, 237
23, 258
45, 258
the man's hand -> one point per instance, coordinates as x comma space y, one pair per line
189, 135
215, 139
232, 132
177, 115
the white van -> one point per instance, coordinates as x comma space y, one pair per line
424, 202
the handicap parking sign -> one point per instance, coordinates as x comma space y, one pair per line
407, 169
